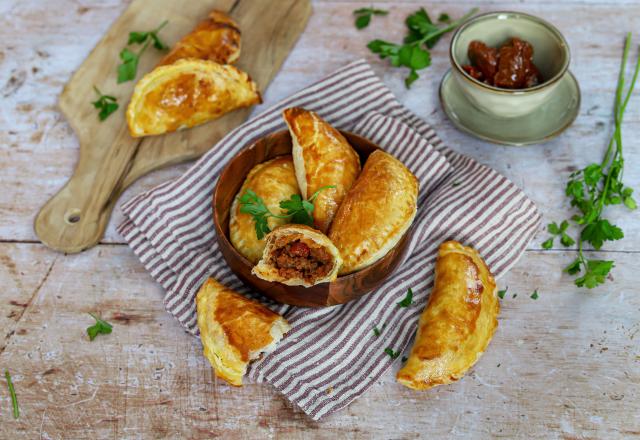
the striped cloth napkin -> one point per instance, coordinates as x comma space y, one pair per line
331, 355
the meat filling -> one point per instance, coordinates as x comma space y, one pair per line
300, 258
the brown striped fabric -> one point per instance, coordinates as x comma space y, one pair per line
331, 355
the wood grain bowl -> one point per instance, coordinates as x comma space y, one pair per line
344, 289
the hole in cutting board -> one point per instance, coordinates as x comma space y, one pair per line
72, 216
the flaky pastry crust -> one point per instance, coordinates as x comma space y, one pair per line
458, 322
375, 213
235, 330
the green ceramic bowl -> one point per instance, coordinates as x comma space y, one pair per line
550, 54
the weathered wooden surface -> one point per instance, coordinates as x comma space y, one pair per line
569, 362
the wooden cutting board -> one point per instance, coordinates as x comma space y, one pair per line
110, 159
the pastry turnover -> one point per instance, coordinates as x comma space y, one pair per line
375, 213
298, 255
235, 330
272, 181
187, 93
322, 157
217, 38
458, 322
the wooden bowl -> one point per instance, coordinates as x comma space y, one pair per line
342, 290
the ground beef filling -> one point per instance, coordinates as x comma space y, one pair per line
302, 259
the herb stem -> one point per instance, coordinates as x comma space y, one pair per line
446, 29
14, 398
163, 24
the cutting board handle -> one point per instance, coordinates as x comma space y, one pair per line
75, 218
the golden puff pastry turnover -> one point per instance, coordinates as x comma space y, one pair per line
217, 38
235, 330
458, 322
322, 157
376, 212
273, 181
298, 255
187, 93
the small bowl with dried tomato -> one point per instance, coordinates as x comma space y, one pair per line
508, 64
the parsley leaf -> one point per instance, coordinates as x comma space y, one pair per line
548, 244
596, 272
105, 103
566, 240
378, 331
142, 37
535, 295
444, 18
600, 231
363, 16
501, 293
252, 204
128, 69
408, 299
301, 211
297, 210
100, 327
392, 354
422, 35
12, 392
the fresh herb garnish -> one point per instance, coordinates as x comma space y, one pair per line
100, 327
128, 69
12, 392
378, 331
298, 210
501, 293
422, 35
363, 16
142, 37
107, 104
535, 295
408, 299
556, 230
444, 18
596, 186
392, 354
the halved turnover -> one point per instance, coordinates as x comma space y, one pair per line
235, 330
297, 255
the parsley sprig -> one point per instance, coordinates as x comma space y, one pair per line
408, 299
128, 69
422, 35
560, 231
363, 16
12, 392
596, 186
297, 210
107, 104
100, 327
392, 354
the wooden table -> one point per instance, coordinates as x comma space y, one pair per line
564, 366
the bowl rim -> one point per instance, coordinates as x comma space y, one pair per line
223, 235
510, 14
